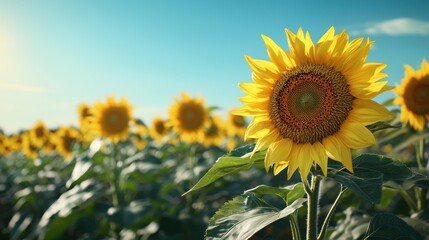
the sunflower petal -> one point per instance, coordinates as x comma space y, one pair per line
355, 135
277, 55
368, 112
278, 152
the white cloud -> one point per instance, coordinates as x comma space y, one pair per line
22, 88
393, 27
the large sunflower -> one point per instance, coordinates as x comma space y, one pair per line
313, 102
112, 118
413, 96
188, 118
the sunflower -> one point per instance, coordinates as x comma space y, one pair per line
313, 102
413, 96
188, 118
65, 139
39, 134
112, 118
16, 141
214, 132
29, 149
159, 128
236, 125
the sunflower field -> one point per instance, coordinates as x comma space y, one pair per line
309, 155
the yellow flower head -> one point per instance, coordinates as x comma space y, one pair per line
214, 132
236, 125
413, 96
28, 147
188, 118
65, 139
158, 128
39, 134
313, 102
112, 118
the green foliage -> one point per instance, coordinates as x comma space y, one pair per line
230, 164
245, 215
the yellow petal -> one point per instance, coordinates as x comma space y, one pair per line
293, 160
257, 129
278, 152
265, 141
318, 154
368, 112
263, 68
277, 55
305, 160
355, 135
280, 166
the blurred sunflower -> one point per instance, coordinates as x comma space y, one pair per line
16, 142
158, 129
112, 118
236, 125
49, 145
214, 132
39, 134
5, 146
313, 102
413, 96
65, 139
29, 149
188, 118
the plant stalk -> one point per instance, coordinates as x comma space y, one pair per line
312, 202
325, 225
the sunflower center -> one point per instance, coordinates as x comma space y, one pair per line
115, 120
238, 121
310, 103
40, 132
191, 116
416, 96
159, 127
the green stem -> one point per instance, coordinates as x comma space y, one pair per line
330, 213
117, 199
293, 219
312, 202
421, 192
409, 200
420, 154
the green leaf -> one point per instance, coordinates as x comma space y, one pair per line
228, 165
353, 226
389, 226
380, 126
391, 170
65, 205
289, 194
245, 215
364, 182
79, 172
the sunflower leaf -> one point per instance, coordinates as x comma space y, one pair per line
289, 193
228, 165
380, 126
389, 226
245, 215
391, 170
364, 182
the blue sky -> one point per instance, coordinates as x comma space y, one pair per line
57, 54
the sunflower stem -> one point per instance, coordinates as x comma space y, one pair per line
330, 213
421, 192
312, 202
117, 200
293, 220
